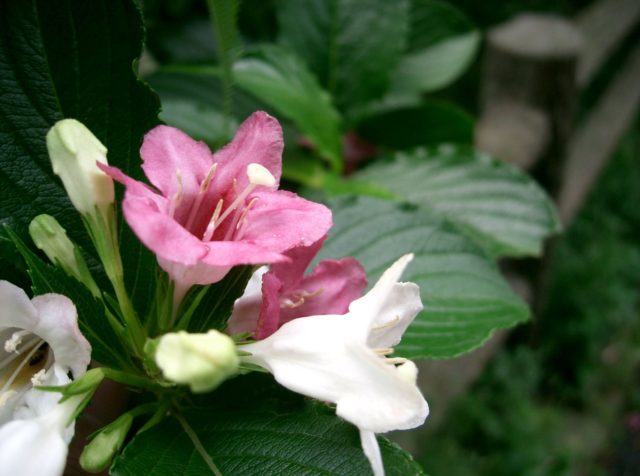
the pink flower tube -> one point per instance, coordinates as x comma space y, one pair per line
215, 211
284, 293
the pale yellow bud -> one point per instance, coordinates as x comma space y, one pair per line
202, 361
74, 151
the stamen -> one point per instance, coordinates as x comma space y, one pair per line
204, 187
289, 304
395, 360
258, 175
386, 325
239, 220
384, 351
211, 227
300, 297
38, 377
11, 344
25, 361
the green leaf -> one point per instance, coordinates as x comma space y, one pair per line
106, 346
193, 100
252, 427
494, 203
70, 58
442, 43
281, 80
465, 298
351, 45
429, 124
210, 307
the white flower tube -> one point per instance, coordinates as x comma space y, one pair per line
342, 359
42, 345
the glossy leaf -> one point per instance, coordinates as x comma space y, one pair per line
465, 298
351, 45
442, 43
62, 59
281, 80
251, 427
498, 206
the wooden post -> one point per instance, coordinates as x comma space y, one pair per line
530, 65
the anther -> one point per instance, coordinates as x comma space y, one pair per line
388, 324
11, 344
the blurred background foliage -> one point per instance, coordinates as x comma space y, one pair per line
561, 397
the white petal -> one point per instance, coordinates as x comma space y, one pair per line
16, 309
401, 306
366, 309
58, 326
34, 447
246, 309
372, 451
317, 356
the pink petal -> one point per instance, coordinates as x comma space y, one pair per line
166, 150
291, 273
161, 233
337, 282
281, 220
258, 140
269, 320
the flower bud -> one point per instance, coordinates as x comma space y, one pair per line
202, 361
97, 455
74, 151
50, 237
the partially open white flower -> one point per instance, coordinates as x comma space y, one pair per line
41, 345
343, 359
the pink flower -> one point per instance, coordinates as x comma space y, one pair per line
283, 293
215, 211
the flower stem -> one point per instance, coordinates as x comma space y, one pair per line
223, 14
198, 444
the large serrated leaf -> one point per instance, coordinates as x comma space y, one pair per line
283, 81
442, 43
70, 58
250, 427
495, 204
351, 45
465, 297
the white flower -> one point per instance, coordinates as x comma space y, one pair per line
41, 346
342, 359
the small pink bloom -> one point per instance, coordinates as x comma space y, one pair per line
283, 293
215, 211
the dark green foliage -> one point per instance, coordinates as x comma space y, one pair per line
252, 427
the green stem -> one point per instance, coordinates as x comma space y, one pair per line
223, 14
197, 444
130, 379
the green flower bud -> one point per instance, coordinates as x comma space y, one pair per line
99, 453
50, 237
74, 151
202, 361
